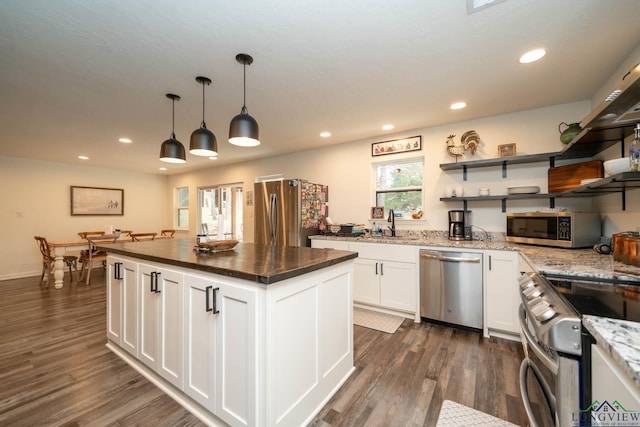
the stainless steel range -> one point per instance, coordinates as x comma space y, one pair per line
550, 331
557, 362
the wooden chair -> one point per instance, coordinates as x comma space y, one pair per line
137, 237
48, 260
94, 255
167, 233
84, 254
126, 233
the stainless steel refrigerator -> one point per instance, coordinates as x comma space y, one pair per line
288, 211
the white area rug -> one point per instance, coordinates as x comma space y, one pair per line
454, 414
374, 320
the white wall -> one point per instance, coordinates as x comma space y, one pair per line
36, 201
346, 168
38, 191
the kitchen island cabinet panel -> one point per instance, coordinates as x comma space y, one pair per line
122, 294
236, 355
310, 355
249, 354
200, 341
161, 344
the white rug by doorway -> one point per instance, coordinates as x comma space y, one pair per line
454, 414
374, 320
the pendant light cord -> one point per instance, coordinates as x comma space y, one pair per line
173, 118
244, 85
203, 123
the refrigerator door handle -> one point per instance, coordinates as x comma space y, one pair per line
273, 217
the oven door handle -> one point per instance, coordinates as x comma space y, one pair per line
546, 390
551, 364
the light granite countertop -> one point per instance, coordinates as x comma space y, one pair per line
619, 338
554, 261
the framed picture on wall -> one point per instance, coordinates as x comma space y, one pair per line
377, 212
507, 150
413, 143
97, 201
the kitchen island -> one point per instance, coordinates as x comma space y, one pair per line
254, 336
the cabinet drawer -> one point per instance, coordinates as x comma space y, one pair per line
386, 252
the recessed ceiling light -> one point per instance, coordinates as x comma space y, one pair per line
458, 105
163, 169
125, 140
325, 134
83, 157
532, 56
387, 127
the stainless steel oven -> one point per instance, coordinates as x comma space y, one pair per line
556, 369
551, 339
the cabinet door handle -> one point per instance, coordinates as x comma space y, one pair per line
382, 268
215, 301
116, 271
153, 276
207, 306
156, 290
489, 262
376, 268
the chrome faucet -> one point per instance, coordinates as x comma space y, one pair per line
392, 220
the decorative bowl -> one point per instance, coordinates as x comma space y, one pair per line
616, 166
218, 245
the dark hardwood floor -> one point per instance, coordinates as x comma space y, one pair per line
56, 371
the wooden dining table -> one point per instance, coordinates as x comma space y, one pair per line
60, 249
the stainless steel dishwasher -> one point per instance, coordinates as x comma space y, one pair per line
451, 287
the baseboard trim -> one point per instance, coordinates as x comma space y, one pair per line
183, 400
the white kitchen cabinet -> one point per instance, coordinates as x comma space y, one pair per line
122, 296
160, 316
501, 271
220, 348
330, 244
236, 355
385, 276
271, 355
610, 383
200, 340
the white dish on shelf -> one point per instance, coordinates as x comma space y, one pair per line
525, 189
589, 181
616, 166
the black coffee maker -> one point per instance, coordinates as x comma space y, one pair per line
460, 225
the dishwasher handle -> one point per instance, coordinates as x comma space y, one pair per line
440, 257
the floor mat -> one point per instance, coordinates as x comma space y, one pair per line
374, 320
454, 414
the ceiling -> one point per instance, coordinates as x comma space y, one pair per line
76, 75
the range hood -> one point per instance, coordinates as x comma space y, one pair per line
621, 108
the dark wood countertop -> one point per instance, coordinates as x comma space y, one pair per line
257, 263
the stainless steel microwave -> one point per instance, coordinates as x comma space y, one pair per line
561, 229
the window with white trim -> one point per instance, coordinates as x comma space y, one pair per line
398, 186
182, 207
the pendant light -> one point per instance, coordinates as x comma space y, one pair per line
172, 150
243, 130
203, 141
